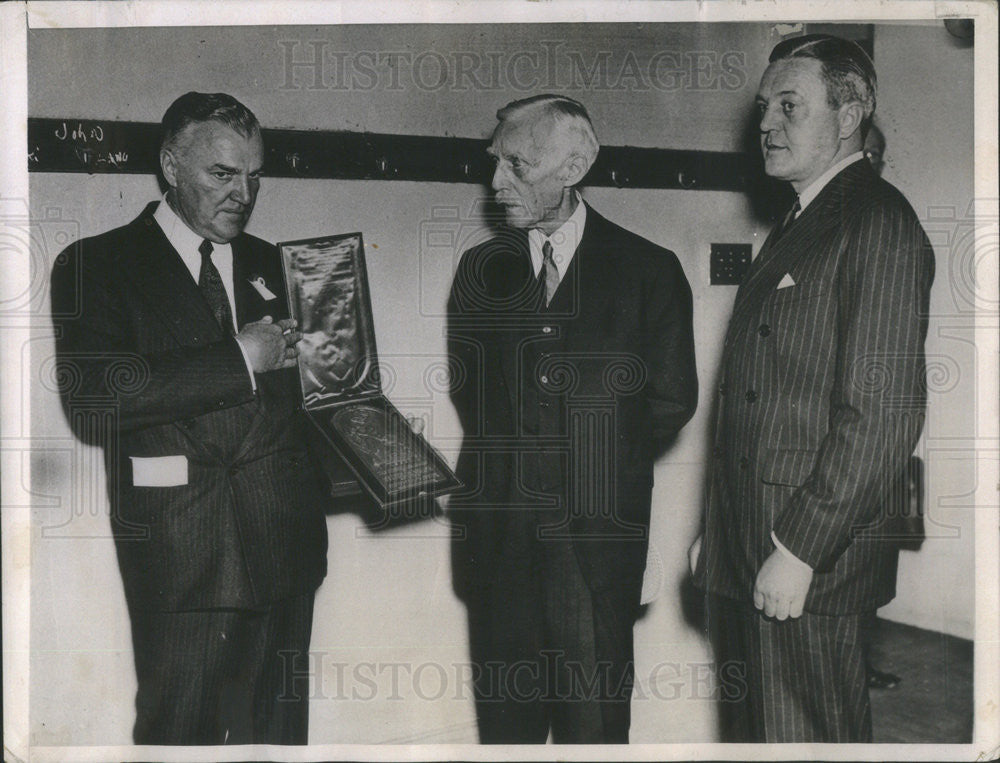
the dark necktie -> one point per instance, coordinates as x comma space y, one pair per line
549, 272
210, 283
767, 251
789, 219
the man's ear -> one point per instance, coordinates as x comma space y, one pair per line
850, 115
574, 168
168, 165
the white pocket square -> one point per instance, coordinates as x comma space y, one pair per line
164, 471
786, 281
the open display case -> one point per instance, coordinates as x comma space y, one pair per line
327, 286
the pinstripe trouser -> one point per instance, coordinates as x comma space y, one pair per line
223, 676
805, 677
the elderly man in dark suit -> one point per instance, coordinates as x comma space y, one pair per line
821, 402
575, 345
216, 507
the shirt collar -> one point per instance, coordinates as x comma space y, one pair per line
812, 191
565, 240
180, 236
186, 242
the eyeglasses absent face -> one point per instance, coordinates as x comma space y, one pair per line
214, 174
799, 129
530, 177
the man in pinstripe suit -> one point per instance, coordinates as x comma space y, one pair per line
821, 401
216, 507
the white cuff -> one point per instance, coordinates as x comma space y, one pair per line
246, 359
781, 547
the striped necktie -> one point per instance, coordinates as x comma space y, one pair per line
210, 283
549, 272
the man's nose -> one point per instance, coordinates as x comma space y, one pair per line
499, 178
242, 191
768, 120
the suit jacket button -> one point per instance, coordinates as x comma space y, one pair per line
751, 396
764, 330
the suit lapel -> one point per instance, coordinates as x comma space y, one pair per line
244, 293
588, 280
578, 302
167, 285
251, 266
776, 257
514, 279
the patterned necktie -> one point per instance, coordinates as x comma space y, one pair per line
210, 283
549, 271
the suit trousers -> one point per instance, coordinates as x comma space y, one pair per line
223, 676
804, 679
548, 653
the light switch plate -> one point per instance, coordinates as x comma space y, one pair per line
729, 264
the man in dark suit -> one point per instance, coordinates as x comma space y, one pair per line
821, 401
575, 345
216, 507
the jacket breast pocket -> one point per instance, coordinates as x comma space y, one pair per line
787, 467
798, 292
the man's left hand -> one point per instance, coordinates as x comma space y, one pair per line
781, 586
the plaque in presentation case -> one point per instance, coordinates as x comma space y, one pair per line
327, 287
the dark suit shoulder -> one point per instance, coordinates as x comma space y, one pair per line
880, 215
493, 272
102, 252
255, 244
504, 243
885, 198
630, 250
601, 227
864, 193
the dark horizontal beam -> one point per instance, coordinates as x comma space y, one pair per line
92, 146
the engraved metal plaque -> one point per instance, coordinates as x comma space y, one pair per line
327, 287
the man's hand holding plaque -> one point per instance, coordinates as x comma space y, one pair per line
268, 345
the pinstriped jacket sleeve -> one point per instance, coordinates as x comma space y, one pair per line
878, 391
160, 387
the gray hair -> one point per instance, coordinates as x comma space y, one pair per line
571, 115
847, 70
194, 108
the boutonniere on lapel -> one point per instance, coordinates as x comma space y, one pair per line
261, 288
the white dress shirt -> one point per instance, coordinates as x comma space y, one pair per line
813, 189
564, 240
186, 242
